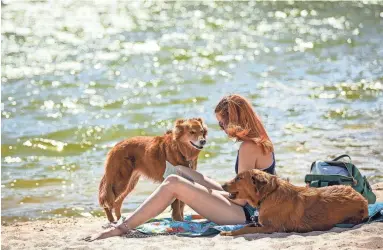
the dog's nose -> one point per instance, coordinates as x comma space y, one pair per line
202, 142
224, 187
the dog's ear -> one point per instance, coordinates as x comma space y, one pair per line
179, 122
254, 180
274, 182
178, 128
203, 125
258, 181
198, 119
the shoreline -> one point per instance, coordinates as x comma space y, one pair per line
66, 233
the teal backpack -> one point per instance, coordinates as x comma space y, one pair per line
336, 172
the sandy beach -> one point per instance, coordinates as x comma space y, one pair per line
67, 234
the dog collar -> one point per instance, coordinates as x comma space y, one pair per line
264, 198
255, 217
190, 162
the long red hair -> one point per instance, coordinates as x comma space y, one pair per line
241, 121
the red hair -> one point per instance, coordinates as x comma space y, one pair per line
241, 121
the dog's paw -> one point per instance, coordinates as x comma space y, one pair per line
226, 233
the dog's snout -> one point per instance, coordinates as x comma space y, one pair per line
202, 142
224, 187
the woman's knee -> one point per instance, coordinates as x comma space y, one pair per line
172, 180
175, 184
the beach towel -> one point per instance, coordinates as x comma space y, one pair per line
195, 228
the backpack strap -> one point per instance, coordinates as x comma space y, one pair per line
341, 156
323, 180
349, 166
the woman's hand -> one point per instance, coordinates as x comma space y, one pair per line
103, 235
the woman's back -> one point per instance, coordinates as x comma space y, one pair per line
252, 155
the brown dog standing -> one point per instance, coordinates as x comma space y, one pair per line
145, 155
284, 207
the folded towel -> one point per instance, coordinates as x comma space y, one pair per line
170, 169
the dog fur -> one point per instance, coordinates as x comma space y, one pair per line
284, 207
146, 155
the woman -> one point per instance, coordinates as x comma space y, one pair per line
205, 196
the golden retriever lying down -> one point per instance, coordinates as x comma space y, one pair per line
284, 207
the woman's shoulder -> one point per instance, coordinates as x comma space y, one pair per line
254, 155
249, 147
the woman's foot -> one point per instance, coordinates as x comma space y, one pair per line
103, 235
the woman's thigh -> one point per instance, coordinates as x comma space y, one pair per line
207, 202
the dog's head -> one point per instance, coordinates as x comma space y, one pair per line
191, 132
251, 185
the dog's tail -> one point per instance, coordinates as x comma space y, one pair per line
118, 172
106, 194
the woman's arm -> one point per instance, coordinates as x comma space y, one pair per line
248, 154
207, 182
193, 175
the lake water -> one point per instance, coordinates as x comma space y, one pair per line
77, 78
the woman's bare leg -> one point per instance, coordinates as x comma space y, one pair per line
207, 202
